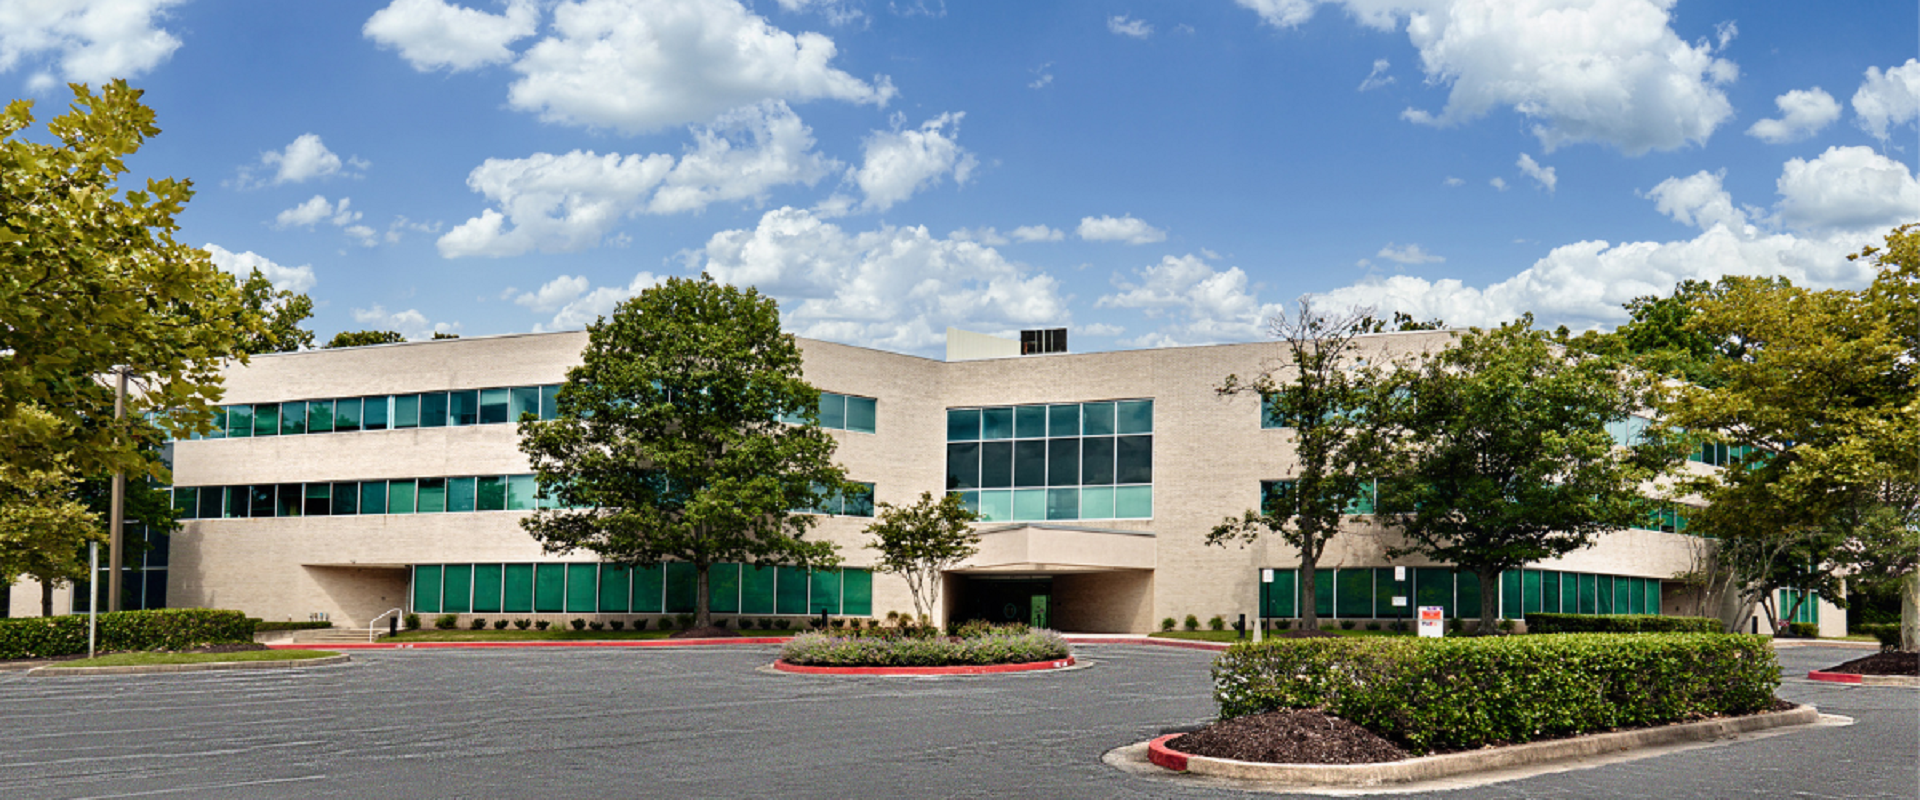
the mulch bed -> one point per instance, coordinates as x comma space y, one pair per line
1881, 664
1290, 736
1312, 736
705, 633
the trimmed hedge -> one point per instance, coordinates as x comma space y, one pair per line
263, 626
159, 629
1888, 634
823, 650
1458, 694
1619, 623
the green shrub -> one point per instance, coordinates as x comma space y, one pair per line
892, 648
766, 624
263, 626
1167, 624
523, 624
640, 624
499, 624
781, 624
1398, 625
1346, 624
683, 621
1218, 623
1887, 633
477, 623
596, 625
1505, 625
1192, 623
1286, 624
618, 624
446, 622
1803, 630
158, 629
578, 624
1455, 694
413, 622
542, 624
1373, 626
1619, 623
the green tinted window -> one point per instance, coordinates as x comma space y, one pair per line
1029, 505
1278, 593
520, 492
616, 588
1133, 416
550, 588
525, 400
790, 590
239, 421
486, 588
320, 416
375, 416
261, 500
1323, 589
456, 595
723, 588
1133, 459
493, 406
491, 493
212, 502
824, 594
861, 414
373, 497
185, 502
460, 495
550, 401
756, 589
681, 587
266, 419
649, 589
833, 410
406, 411
346, 499
319, 502
996, 423
518, 597
346, 414
290, 500
463, 408
1096, 502
293, 418
963, 424
995, 506
1063, 504
1064, 420
1353, 593
1030, 422
400, 496
583, 595
433, 410
1099, 418
856, 593
432, 496
426, 589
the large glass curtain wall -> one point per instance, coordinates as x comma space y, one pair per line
143, 580
386, 412
596, 588
1069, 461
1374, 593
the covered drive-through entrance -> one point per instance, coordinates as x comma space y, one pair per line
1076, 579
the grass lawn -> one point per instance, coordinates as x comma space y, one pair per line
548, 635
151, 659
1231, 636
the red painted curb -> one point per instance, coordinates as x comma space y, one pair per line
497, 645
1834, 677
970, 669
1160, 754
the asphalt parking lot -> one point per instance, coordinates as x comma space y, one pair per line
710, 723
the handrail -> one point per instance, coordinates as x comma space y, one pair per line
373, 628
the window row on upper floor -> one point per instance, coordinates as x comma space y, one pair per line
843, 412
413, 496
1662, 516
386, 412
1050, 421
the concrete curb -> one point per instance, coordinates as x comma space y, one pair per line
1433, 767
209, 666
1864, 680
968, 669
542, 643
1184, 644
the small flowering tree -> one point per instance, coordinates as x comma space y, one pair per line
921, 541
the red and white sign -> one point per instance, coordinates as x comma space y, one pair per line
1432, 621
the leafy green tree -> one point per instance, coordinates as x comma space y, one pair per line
363, 338
1501, 458
668, 444
92, 281
921, 542
1317, 390
281, 313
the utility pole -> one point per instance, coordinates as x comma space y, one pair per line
116, 513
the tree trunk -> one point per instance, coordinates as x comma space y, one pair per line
1489, 603
1309, 592
702, 612
46, 598
1910, 611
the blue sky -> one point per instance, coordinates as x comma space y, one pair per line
1144, 174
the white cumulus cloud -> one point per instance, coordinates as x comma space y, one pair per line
409, 323
1197, 303
1410, 254
1378, 77
1122, 229
1803, 112
1124, 26
303, 159
289, 279
555, 293
898, 163
88, 41
315, 210
1607, 71
1887, 100
1540, 175
569, 202
432, 34
1847, 188
590, 306
637, 65
896, 288
1038, 233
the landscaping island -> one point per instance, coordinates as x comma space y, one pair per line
973, 648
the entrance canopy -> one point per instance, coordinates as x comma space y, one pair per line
1047, 549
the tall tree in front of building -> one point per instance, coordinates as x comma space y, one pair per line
93, 285
1826, 402
1315, 392
668, 443
1501, 457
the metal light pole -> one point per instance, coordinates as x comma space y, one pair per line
116, 514
93, 601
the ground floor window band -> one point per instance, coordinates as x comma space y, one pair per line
670, 588
1370, 592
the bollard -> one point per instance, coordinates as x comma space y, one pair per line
393, 625
823, 619
1240, 627
1756, 626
